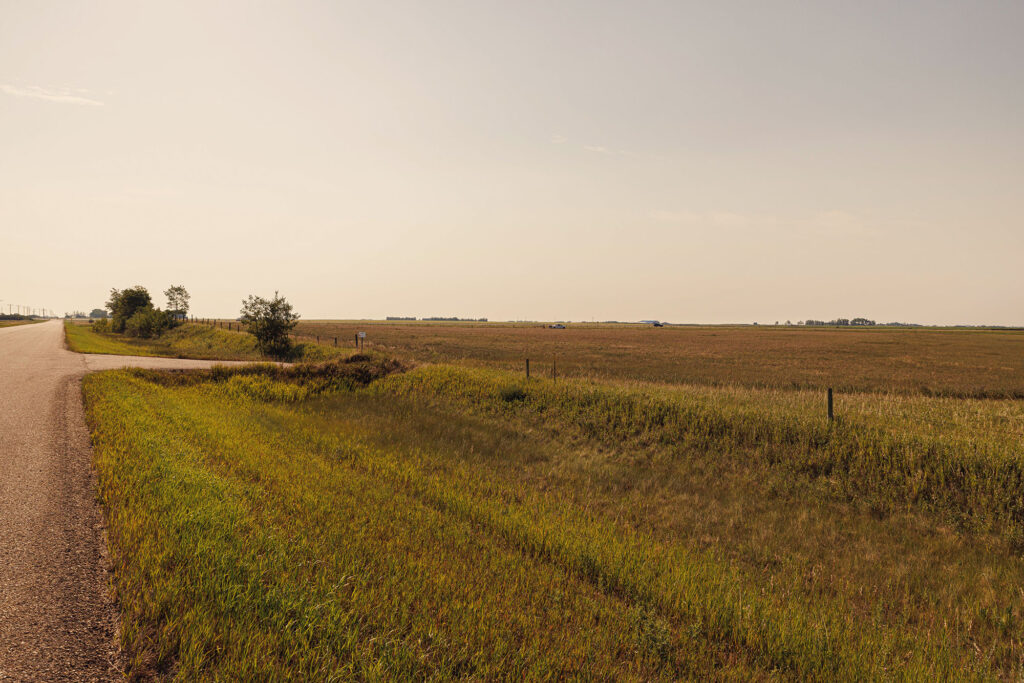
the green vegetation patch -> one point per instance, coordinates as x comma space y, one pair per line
190, 341
354, 522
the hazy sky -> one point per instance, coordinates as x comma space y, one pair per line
693, 162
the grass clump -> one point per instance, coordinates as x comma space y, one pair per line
512, 394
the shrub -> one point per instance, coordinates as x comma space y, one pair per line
148, 322
100, 325
270, 321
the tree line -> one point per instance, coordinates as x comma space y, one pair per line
840, 322
133, 314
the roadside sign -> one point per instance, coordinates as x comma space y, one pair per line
362, 335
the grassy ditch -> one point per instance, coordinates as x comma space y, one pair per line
962, 459
189, 341
350, 521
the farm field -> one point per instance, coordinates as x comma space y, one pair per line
370, 520
12, 323
944, 362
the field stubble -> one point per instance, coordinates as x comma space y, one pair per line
956, 363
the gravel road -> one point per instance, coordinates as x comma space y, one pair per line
57, 619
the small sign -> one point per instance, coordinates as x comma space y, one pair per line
362, 335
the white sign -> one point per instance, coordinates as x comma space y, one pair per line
362, 335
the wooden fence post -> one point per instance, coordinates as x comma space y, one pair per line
831, 415
527, 368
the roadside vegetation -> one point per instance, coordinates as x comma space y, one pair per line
363, 520
189, 340
11, 320
136, 327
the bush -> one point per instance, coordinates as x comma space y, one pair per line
101, 325
270, 321
125, 303
148, 322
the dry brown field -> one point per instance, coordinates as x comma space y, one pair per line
930, 361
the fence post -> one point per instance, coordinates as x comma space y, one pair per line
527, 368
318, 339
335, 341
554, 362
831, 415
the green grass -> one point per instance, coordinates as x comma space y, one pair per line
12, 323
357, 523
189, 341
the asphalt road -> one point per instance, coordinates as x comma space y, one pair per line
57, 619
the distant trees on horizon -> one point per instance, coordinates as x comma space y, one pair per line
840, 322
854, 322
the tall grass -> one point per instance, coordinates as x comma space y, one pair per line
270, 523
889, 451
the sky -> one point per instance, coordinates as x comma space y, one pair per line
684, 161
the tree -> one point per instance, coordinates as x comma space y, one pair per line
98, 313
177, 301
270, 321
125, 303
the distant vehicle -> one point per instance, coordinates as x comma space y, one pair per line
557, 326
659, 324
